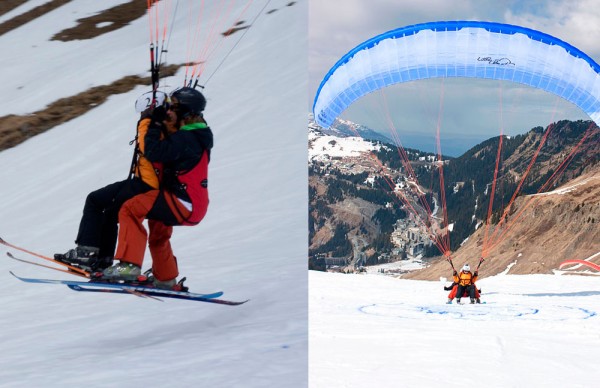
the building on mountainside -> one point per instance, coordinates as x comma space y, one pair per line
408, 238
336, 262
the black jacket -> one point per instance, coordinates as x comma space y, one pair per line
178, 152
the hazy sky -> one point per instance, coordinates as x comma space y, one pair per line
337, 26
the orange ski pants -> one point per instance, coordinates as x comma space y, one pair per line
133, 237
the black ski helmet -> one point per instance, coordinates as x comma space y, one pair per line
190, 101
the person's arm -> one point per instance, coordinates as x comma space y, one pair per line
157, 150
142, 129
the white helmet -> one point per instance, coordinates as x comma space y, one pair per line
145, 100
466, 268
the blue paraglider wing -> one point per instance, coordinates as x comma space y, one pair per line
460, 49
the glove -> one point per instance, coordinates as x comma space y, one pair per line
476, 273
146, 114
159, 114
455, 273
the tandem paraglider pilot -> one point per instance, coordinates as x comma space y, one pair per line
182, 198
465, 284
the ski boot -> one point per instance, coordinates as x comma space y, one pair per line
84, 257
164, 285
478, 300
172, 284
457, 300
472, 300
121, 272
449, 301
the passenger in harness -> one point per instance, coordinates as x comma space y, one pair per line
182, 198
464, 284
97, 235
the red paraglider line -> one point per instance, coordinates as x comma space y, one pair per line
150, 24
494, 239
525, 174
498, 154
189, 39
405, 200
443, 244
218, 22
532, 199
210, 51
166, 17
441, 169
220, 16
195, 64
403, 154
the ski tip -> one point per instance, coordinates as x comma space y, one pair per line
239, 303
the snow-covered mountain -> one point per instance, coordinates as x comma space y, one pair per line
454, 145
347, 128
252, 243
324, 146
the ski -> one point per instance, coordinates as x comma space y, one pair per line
156, 293
45, 266
138, 290
71, 268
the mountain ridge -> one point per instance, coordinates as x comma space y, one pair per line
467, 184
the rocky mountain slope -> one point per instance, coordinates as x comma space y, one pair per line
552, 227
350, 202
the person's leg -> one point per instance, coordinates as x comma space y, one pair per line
452, 293
164, 263
89, 253
471, 292
109, 231
133, 237
460, 290
90, 226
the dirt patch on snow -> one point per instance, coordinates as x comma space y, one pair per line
106, 21
15, 129
9, 5
28, 16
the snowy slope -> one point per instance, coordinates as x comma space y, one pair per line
378, 331
323, 147
252, 243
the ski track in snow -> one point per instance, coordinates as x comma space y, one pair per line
482, 312
531, 331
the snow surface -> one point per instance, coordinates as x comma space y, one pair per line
567, 189
252, 243
396, 266
379, 331
324, 147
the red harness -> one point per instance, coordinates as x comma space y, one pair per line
195, 182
